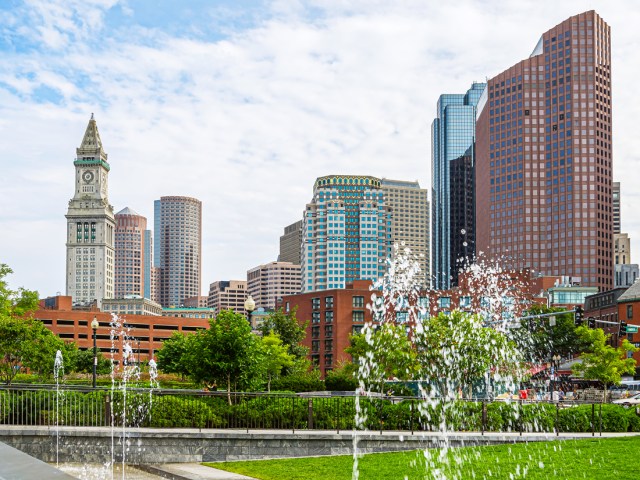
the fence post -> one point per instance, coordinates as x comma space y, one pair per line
593, 419
246, 414
293, 414
520, 422
338, 401
484, 416
600, 418
310, 415
411, 415
557, 416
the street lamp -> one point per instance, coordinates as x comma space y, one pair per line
94, 327
555, 365
249, 306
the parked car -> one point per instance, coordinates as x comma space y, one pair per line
627, 402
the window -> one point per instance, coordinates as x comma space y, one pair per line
358, 302
629, 312
315, 332
315, 317
315, 303
465, 302
444, 302
328, 331
357, 317
402, 317
328, 360
315, 346
328, 316
328, 345
356, 329
328, 302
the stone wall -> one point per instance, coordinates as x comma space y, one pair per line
145, 446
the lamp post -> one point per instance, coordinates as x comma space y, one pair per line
555, 364
94, 327
249, 306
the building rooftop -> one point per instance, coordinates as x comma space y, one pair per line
632, 293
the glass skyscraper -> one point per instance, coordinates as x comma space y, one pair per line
346, 232
452, 162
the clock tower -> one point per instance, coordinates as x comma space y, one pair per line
90, 224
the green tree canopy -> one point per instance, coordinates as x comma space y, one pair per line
275, 357
456, 350
286, 326
602, 361
171, 358
227, 353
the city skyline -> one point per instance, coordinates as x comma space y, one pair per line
240, 102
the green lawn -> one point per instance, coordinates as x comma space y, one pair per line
601, 459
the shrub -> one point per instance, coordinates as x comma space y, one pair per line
307, 382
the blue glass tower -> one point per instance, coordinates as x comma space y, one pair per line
346, 232
452, 161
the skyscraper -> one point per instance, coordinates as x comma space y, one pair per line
290, 243
90, 224
346, 232
543, 160
453, 134
410, 221
177, 248
227, 295
130, 254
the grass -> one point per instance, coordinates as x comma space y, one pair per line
602, 459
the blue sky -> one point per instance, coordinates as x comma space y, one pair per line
242, 104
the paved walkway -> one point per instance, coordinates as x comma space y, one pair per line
193, 471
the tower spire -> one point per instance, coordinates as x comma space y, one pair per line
91, 146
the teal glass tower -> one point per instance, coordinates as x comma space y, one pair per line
452, 161
346, 232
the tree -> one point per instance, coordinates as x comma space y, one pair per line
455, 351
82, 361
380, 354
171, 357
602, 361
539, 340
286, 326
15, 303
275, 357
227, 353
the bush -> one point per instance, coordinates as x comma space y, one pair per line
340, 381
307, 382
169, 411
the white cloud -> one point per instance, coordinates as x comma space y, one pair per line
246, 118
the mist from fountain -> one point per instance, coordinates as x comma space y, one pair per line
444, 358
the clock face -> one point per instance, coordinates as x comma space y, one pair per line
87, 176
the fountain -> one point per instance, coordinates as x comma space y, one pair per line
443, 353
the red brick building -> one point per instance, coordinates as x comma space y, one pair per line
629, 312
145, 332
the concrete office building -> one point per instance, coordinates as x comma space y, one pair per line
410, 221
270, 282
290, 243
90, 225
543, 157
178, 248
227, 295
453, 133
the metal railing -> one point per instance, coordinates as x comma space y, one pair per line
81, 407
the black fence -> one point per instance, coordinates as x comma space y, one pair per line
44, 405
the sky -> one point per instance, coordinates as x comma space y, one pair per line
242, 104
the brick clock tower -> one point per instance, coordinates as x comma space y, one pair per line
90, 224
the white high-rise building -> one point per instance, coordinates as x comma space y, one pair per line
90, 224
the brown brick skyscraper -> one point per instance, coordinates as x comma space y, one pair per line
543, 169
